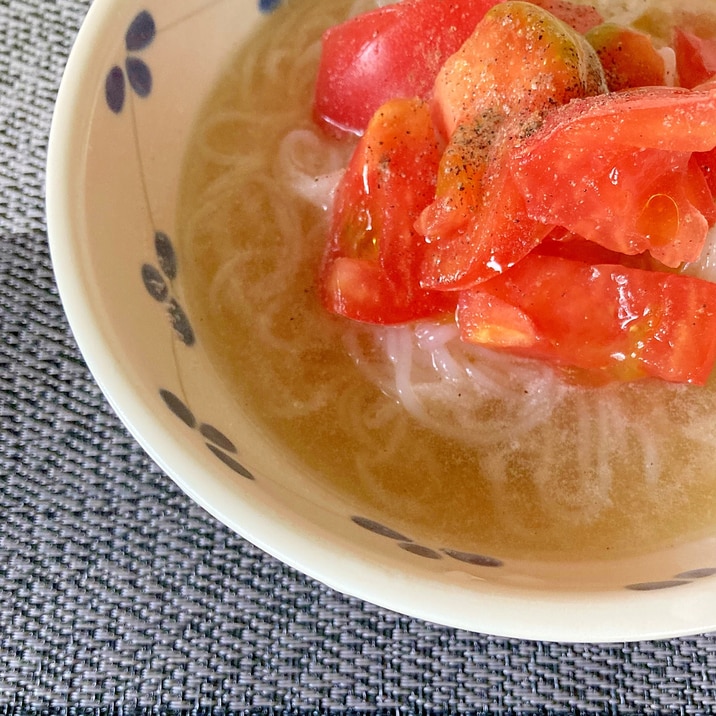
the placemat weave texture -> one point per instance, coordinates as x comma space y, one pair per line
118, 595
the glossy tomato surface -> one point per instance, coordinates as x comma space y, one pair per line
371, 265
389, 53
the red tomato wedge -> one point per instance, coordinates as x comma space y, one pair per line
707, 163
506, 175
620, 322
618, 170
519, 63
519, 57
495, 235
695, 58
388, 53
707, 160
371, 263
629, 57
670, 118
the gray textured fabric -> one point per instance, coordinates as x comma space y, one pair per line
117, 593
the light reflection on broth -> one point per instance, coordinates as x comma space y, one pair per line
509, 460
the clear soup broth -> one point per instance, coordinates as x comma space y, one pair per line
473, 450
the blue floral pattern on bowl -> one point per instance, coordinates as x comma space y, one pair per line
158, 275
140, 34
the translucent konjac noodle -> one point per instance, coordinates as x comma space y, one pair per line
478, 450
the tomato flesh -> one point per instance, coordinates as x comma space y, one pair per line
370, 266
628, 57
519, 57
695, 58
623, 322
550, 219
496, 235
519, 63
388, 53
617, 169
706, 161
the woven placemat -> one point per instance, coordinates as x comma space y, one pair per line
119, 595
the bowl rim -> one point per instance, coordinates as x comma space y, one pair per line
536, 614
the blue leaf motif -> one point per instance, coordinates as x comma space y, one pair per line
215, 436
114, 89
479, 560
139, 75
420, 550
178, 407
165, 254
219, 442
141, 32
230, 462
378, 528
180, 322
268, 5
154, 283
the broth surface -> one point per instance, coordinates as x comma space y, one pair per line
575, 472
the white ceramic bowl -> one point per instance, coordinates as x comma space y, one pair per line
135, 81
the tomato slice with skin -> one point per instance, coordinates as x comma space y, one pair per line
529, 285
391, 52
519, 57
358, 289
397, 51
629, 57
371, 262
497, 235
618, 170
518, 64
609, 320
671, 118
